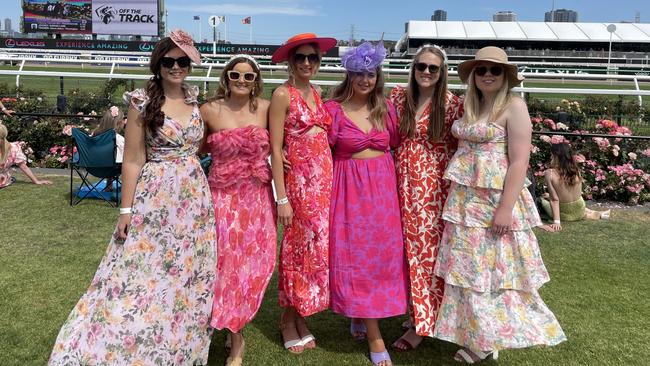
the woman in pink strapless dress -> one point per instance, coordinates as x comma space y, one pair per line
240, 182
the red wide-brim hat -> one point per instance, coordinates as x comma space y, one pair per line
282, 53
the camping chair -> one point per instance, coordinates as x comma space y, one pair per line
96, 157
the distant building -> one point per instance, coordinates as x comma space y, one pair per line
561, 16
439, 15
504, 16
8, 25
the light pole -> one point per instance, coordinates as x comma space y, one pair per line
611, 29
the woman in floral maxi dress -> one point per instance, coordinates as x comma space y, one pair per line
489, 256
240, 181
150, 300
426, 110
299, 123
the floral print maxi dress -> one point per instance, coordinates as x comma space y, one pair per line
304, 264
150, 300
422, 193
240, 181
491, 281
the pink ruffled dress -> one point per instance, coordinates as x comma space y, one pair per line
240, 181
15, 156
491, 298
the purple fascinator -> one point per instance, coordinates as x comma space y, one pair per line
364, 58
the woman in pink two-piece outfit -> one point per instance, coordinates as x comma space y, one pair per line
367, 265
240, 181
298, 124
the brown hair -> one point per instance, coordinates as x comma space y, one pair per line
223, 91
378, 110
153, 114
108, 122
562, 161
436, 126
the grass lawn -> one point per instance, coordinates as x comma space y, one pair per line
49, 251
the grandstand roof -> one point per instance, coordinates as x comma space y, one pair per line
534, 31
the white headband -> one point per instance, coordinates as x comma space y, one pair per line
444, 54
246, 56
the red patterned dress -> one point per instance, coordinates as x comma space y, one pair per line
422, 194
304, 258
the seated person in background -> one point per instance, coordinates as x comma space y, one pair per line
564, 202
12, 155
113, 119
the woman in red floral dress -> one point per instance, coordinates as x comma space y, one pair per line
426, 110
298, 124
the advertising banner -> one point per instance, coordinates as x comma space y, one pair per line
125, 17
58, 16
118, 17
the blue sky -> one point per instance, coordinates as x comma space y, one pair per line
276, 20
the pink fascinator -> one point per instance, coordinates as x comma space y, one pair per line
185, 42
364, 58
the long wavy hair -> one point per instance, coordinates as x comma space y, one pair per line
108, 122
223, 91
291, 66
473, 97
563, 162
4, 144
376, 100
436, 126
153, 114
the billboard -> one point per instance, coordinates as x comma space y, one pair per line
125, 17
119, 17
62, 16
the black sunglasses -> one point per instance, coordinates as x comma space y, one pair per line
236, 75
421, 66
494, 70
300, 58
169, 62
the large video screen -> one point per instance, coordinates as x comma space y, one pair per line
62, 16
119, 17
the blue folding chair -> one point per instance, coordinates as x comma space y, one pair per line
95, 157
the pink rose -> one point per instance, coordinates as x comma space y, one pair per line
128, 341
579, 158
67, 130
646, 152
557, 139
632, 156
545, 138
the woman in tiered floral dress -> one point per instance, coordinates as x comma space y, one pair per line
151, 298
240, 180
489, 257
299, 123
426, 111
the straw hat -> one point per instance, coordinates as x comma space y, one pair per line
495, 55
282, 53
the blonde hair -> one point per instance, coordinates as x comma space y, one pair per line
407, 122
223, 91
376, 100
108, 122
4, 144
473, 98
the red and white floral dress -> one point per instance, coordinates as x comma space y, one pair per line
304, 258
422, 193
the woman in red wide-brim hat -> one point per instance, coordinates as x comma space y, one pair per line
298, 124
